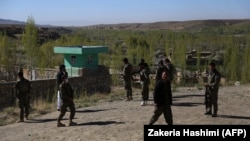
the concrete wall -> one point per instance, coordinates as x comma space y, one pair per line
90, 82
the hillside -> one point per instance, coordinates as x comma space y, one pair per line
15, 28
11, 22
172, 25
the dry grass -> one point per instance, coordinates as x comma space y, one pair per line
9, 115
43, 106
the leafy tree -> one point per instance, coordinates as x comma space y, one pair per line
234, 71
5, 53
47, 59
132, 49
29, 41
245, 75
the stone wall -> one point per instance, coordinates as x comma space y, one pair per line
8, 73
90, 82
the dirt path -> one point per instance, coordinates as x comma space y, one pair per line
123, 121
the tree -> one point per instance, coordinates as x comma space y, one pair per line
178, 57
5, 51
47, 57
132, 49
7, 56
29, 41
232, 59
245, 75
234, 72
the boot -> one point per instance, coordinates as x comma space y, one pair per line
59, 124
131, 98
208, 113
71, 123
214, 115
21, 120
128, 99
27, 117
143, 103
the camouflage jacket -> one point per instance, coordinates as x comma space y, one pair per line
59, 78
22, 87
127, 72
144, 76
159, 71
214, 78
66, 92
171, 71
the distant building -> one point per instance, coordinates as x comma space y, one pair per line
79, 58
205, 57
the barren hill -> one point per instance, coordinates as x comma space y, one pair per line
175, 25
172, 25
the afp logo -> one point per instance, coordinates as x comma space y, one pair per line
234, 133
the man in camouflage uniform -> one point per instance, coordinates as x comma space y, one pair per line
127, 76
207, 100
159, 71
213, 87
66, 95
22, 89
145, 81
170, 68
62, 71
162, 94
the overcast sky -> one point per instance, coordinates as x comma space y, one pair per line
91, 12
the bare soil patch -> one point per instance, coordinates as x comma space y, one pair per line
124, 121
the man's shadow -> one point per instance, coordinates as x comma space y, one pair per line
43, 120
187, 95
234, 117
189, 104
99, 123
55, 119
91, 111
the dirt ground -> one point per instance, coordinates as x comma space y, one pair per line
124, 121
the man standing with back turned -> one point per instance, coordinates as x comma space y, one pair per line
22, 89
145, 81
127, 76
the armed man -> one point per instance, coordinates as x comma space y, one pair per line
145, 81
22, 89
127, 76
62, 71
214, 78
66, 95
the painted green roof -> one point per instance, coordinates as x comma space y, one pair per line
80, 49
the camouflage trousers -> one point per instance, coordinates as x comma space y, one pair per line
64, 106
145, 91
128, 88
24, 106
167, 112
212, 105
